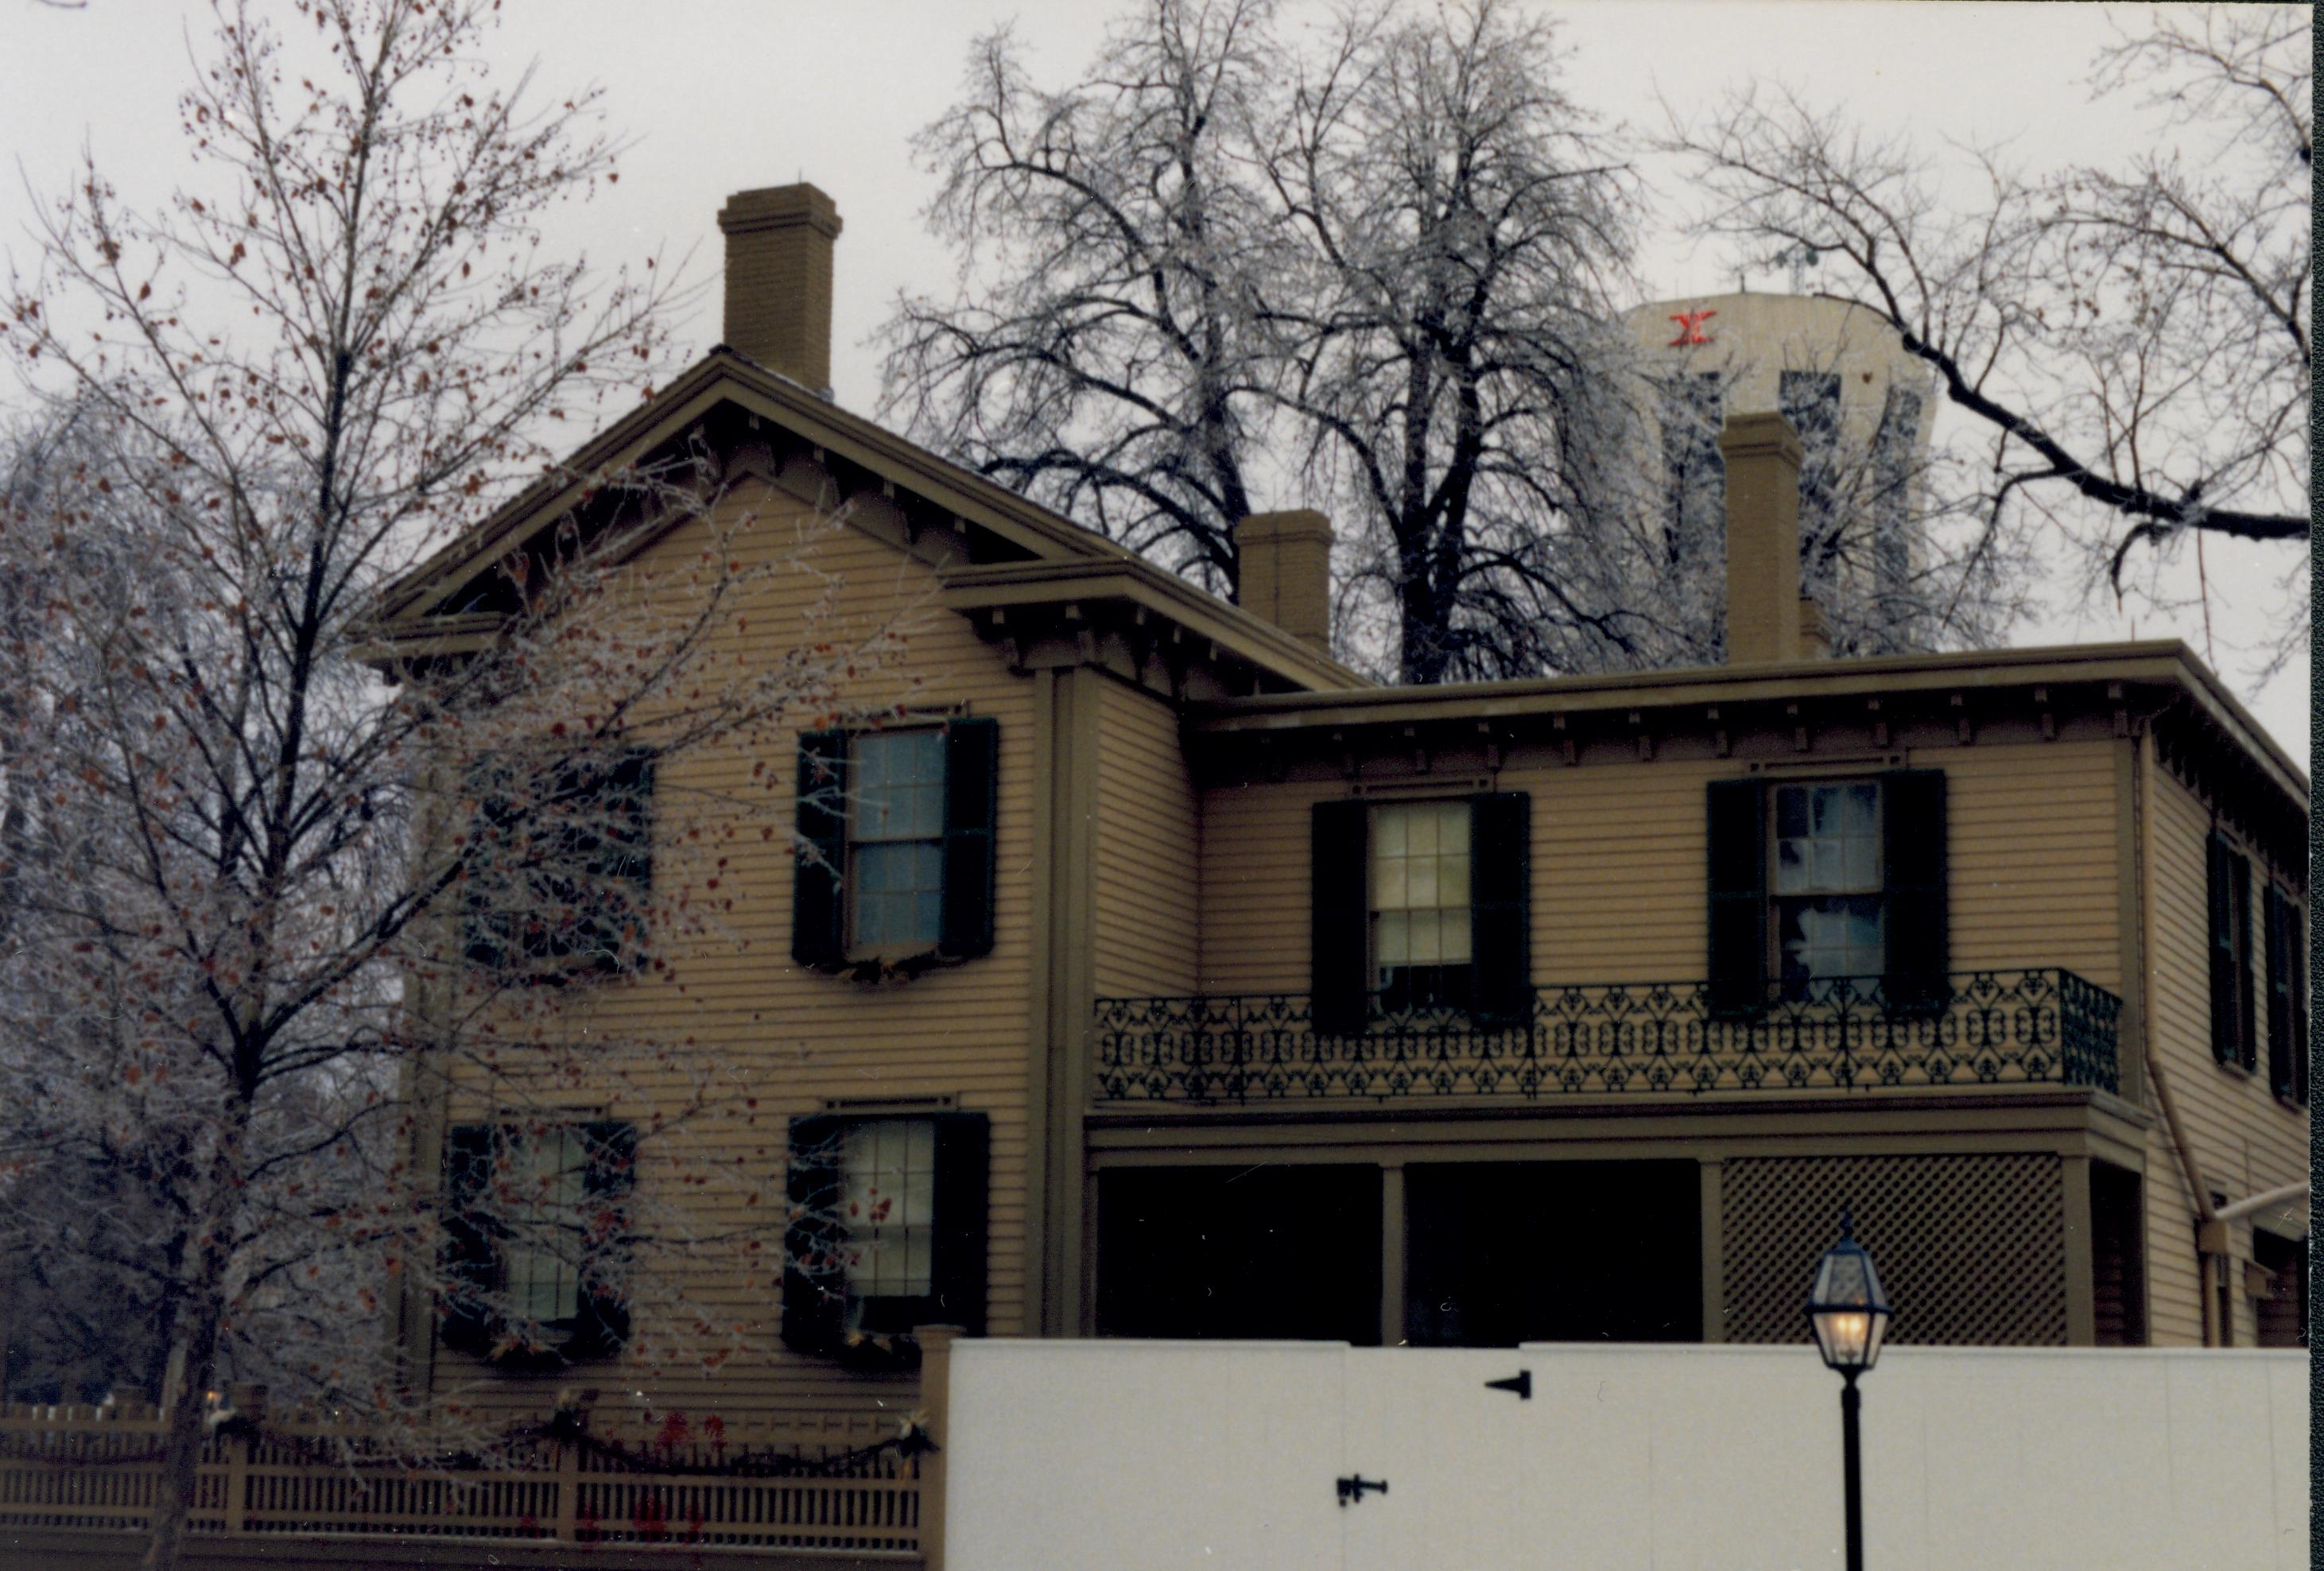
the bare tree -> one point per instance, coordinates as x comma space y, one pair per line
2132, 342
273, 922
1456, 366
1376, 268
1112, 359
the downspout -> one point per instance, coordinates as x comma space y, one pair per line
2171, 1124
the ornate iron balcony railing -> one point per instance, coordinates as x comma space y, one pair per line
1990, 1027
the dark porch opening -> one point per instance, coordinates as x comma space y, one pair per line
1503, 1252
1240, 1252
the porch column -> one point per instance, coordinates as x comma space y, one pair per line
1391, 1253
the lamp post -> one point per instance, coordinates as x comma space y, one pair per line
1850, 1315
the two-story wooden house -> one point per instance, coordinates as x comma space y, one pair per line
1168, 979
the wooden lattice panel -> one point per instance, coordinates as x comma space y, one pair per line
1971, 1249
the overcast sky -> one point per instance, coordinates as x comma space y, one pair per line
724, 95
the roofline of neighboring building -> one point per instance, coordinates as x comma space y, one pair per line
2153, 660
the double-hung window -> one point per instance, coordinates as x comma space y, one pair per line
1420, 915
888, 1228
534, 1228
1815, 884
1827, 886
1420, 905
560, 864
895, 841
895, 845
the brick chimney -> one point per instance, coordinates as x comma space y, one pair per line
1768, 617
779, 245
1283, 573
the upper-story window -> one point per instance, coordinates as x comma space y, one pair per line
896, 845
1828, 884
1420, 903
560, 864
1815, 881
895, 840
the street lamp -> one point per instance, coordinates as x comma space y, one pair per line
1850, 1315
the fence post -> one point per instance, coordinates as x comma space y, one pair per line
569, 1464
936, 1402
247, 1404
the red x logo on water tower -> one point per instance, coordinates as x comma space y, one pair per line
1690, 328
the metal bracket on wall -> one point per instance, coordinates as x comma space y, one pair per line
1353, 1487
1521, 1383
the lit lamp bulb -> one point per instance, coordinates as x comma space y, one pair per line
1847, 1308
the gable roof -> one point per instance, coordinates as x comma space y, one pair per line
411, 614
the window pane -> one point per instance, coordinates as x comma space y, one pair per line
899, 785
888, 1208
1425, 949
1420, 833
898, 892
1452, 829
1388, 831
1452, 937
1392, 940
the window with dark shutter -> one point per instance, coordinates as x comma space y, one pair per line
1917, 918
896, 844
1339, 914
1737, 833
818, 919
535, 1242
888, 1229
1501, 887
561, 867
2287, 998
972, 766
2232, 1034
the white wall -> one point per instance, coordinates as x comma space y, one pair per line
1182, 1454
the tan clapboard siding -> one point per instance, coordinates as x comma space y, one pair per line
2031, 842
1254, 886
2244, 1140
789, 1040
1147, 913
1618, 876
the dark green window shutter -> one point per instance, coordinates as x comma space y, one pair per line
818, 915
471, 1258
2278, 994
971, 761
617, 865
1500, 895
1737, 833
2295, 965
601, 1320
962, 1176
1340, 923
487, 926
1915, 908
2239, 892
814, 1286
2231, 983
